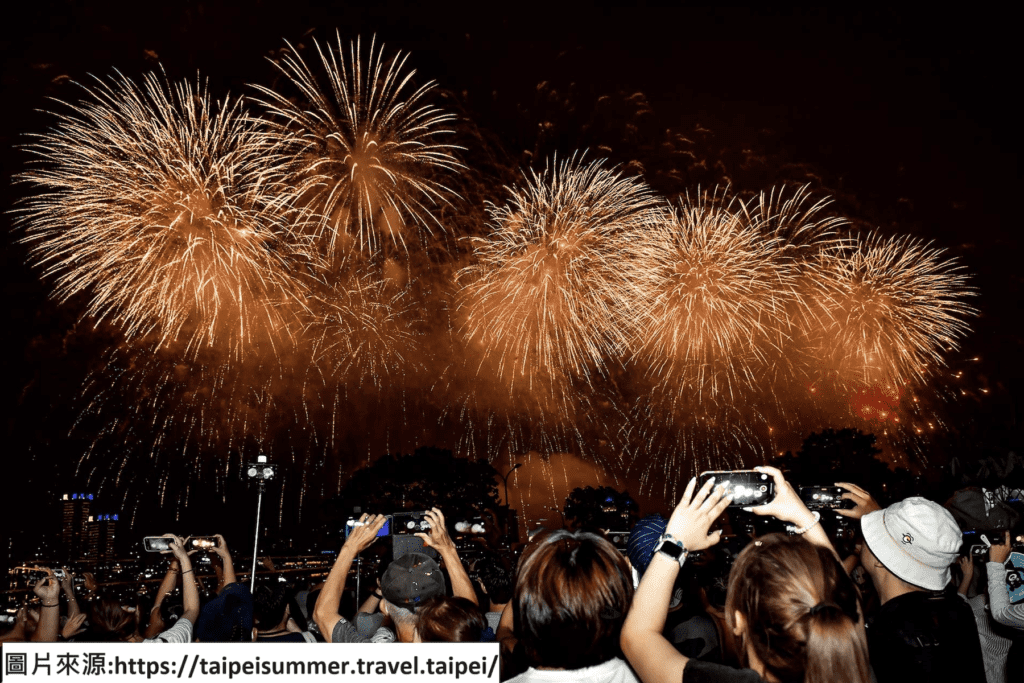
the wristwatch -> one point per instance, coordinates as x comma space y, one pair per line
668, 545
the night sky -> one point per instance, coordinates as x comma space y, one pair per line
908, 119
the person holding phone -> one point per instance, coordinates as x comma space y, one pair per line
791, 605
112, 621
922, 629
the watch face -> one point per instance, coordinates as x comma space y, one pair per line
670, 549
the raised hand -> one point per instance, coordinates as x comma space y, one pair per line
73, 626
364, 533
863, 501
437, 538
695, 514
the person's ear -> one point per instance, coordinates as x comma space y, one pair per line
739, 623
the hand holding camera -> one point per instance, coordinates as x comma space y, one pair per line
786, 506
47, 589
695, 514
364, 533
863, 502
437, 537
999, 552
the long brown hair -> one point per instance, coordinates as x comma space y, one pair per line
110, 621
802, 611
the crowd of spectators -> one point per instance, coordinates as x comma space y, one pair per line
707, 595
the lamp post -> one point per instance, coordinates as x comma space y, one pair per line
504, 480
262, 472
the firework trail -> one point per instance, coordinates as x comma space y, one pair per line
360, 333
156, 202
361, 150
542, 300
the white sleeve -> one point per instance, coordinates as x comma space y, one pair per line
181, 632
999, 597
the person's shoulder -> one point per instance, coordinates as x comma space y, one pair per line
181, 632
615, 670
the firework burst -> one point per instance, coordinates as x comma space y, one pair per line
361, 149
710, 294
542, 300
883, 311
155, 201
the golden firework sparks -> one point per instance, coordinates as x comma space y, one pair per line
156, 202
543, 298
363, 152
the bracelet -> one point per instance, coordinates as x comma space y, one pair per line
804, 530
185, 572
56, 604
377, 595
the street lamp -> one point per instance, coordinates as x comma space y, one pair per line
504, 480
262, 472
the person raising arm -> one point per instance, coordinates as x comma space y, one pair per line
325, 614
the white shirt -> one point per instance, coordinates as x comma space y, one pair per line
181, 632
615, 670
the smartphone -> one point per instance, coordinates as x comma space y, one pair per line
156, 544
352, 523
747, 487
202, 543
410, 523
31, 574
477, 525
59, 573
824, 498
980, 541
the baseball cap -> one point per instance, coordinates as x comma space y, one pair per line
915, 539
412, 579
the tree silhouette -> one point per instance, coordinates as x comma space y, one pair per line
430, 477
601, 508
845, 455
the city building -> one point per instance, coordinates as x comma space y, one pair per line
101, 533
75, 528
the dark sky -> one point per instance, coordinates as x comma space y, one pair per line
915, 116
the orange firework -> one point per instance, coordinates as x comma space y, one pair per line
883, 311
155, 202
542, 300
710, 295
361, 149
358, 333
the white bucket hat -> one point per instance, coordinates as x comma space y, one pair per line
916, 539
